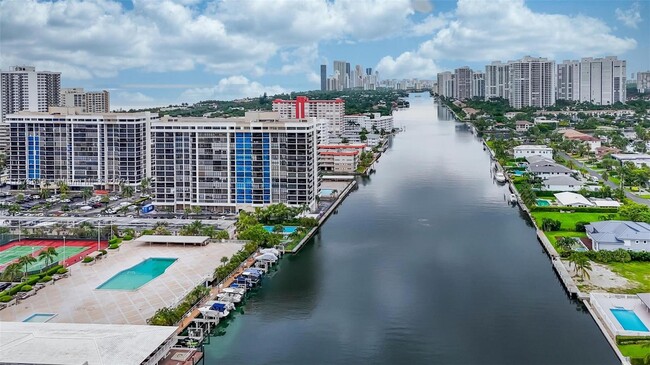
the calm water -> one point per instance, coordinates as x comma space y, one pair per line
424, 264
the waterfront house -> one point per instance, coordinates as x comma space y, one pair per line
522, 126
574, 135
569, 199
612, 235
545, 169
638, 159
533, 150
561, 183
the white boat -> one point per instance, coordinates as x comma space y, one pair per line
513, 198
229, 297
227, 305
216, 309
500, 177
240, 291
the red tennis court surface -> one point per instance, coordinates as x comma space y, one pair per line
77, 254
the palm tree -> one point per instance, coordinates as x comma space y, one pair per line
144, 185
127, 191
565, 243
86, 193
63, 187
48, 255
223, 260
12, 272
26, 261
45, 193
581, 264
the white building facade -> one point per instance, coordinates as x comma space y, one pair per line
88, 101
532, 82
224, 165
597, 80
497, 80
524, 151
24, 88
302, 107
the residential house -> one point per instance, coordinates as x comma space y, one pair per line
569, 199
533, 150
638, 159
561, 183
574, 135
522, 125
613, 235
544, 168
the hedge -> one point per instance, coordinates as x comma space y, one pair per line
631, 340
45, 279
55, 270
6, 298
62, 271
87, 259
103, 252
113, 246
26, 288
576, 209
127, 237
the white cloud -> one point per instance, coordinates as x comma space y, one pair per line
407, 65
482, 31
630, 17
422, 6
232, 87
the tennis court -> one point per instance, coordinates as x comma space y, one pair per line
61, 254
16, 252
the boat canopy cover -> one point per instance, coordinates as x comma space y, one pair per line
267, 257
274, 251
218, 307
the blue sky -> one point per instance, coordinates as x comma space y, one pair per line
159, 52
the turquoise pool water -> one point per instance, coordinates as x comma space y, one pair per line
518, 172
138, 275
39, 317
629, 320
287, 229
326, 192
543, 203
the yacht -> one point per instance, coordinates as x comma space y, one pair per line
215, 310
229, 297
500, 177
513, 199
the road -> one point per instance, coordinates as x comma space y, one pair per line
629, 195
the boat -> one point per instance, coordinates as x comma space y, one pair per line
500, 177
239, 291
229, 298
215, 310
513, 199
227, 305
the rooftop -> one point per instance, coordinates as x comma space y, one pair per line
561, 180
569, 199
73, 343
194, 240
617, 231
532, 146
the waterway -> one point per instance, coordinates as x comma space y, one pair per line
424, 264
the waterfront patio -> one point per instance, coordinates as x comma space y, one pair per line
76, 300
603, 303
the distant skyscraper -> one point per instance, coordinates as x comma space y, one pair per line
463, 83
369, 71
323, 77
597, 80
532, 82
88, 101
497, 80
643, 81
339, 67
446, 84
24, 88
347, 74
478, 85
302, 107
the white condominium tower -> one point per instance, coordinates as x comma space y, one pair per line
446, 84
302, 107
643, 81
88, 101
497, 80
83, 150
224, 165
597, 80
532, 82
463, 83
24, 88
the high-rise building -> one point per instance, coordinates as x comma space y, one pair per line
24, 88
323, 77
88, 101
225, 165
347, 76
340, 74
478, 85
463, 83
358, 76
302, 107
83, 150
446, 84
369, 71
497, 81
597, 80
568, 80
643, 81
532, 82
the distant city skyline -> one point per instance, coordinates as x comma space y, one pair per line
152, 53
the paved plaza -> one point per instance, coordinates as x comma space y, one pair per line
75, 299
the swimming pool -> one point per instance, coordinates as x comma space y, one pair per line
518, 172
287, 229
39, 317
138, 275
543, 203
326, 192
629, 320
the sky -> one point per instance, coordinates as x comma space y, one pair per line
162, 52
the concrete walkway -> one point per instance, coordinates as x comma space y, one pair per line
629, 195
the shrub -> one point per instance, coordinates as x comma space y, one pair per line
53, 270
580, 226
113, 241
127, 237
62, 271
88, 259
605, 257
45, 279
33, 280
113, 246
6, 298
103, 252
576, 209
551, 224
26, 288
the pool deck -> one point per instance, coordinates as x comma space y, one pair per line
76, 300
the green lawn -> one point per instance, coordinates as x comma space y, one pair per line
615, 180
635, 350
553, 234
638, 272
644, 196
568, 220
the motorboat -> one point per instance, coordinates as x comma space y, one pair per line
229, 297
215, 310
268, 257
239, 291
500, 177
228, 305
274, 251
513, 199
